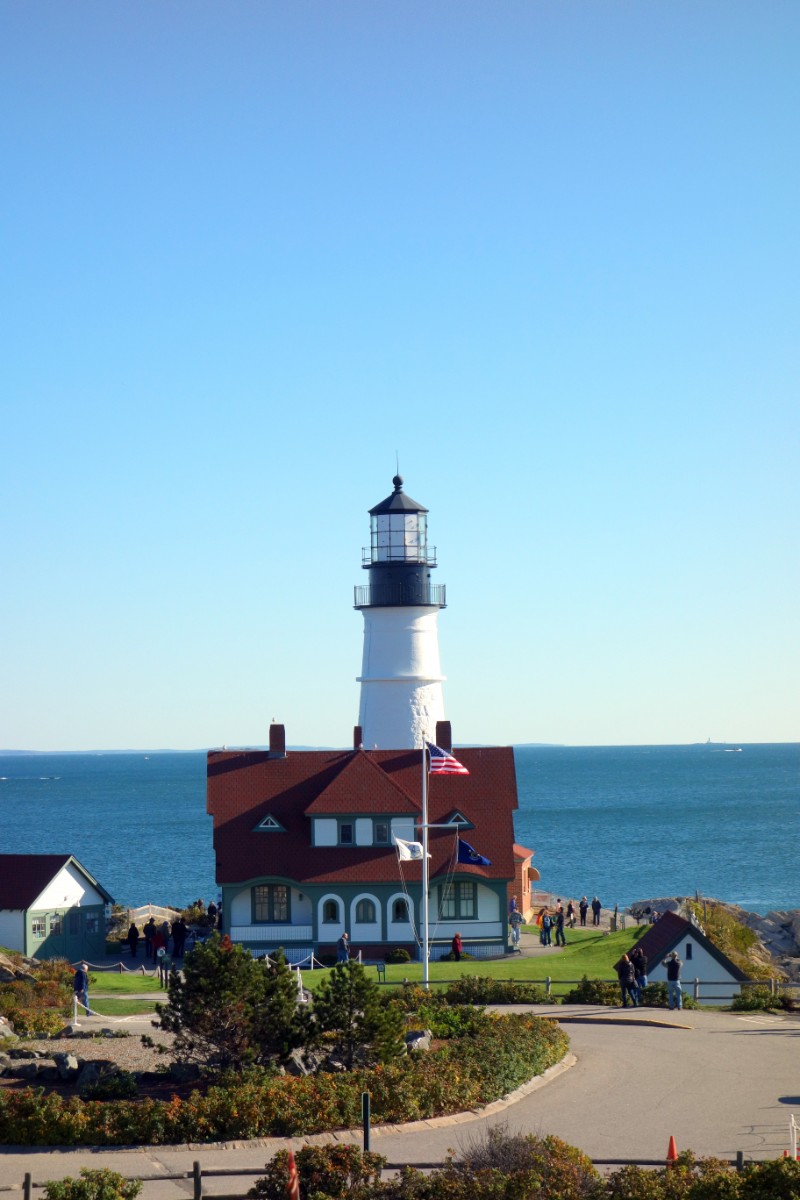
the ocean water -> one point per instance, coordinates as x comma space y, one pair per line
625, 823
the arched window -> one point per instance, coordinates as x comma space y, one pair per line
400, 910
365, 912
330, 911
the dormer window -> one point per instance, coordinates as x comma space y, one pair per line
380, 833
346, 833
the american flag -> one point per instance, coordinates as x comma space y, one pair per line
443, 763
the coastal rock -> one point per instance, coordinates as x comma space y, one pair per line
68, 1066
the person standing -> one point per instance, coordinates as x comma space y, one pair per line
560, 939
639, 960
626, 974
596, 906
133, 939
583, 908
547, 924
512, 905
515, 921
571, 914
343, 949
674, 989
179, 937
80, 984
149, 931
457, 947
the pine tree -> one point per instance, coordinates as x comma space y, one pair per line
348, 1009
211, 1007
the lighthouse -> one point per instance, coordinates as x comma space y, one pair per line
401, 679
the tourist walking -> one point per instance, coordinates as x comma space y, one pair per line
80, 984
560, 939
515, 921
343, 949
583, 908
626, 973
571, 914
547, 925
674, 989
596, 906
457, 947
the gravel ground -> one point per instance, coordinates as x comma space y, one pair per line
126, 1052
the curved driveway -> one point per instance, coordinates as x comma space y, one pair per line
718, 1082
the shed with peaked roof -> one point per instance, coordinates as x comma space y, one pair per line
706, 969
51, 907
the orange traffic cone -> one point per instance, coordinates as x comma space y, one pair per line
672, 1152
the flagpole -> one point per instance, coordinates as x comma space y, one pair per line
425, 944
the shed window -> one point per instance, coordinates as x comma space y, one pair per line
38, 929
688, 950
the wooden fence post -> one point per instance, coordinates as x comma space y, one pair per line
26, 1185
197, 1180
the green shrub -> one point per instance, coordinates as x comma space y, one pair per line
329, 1171
543, 1166
594, 991
113, 1085
398, 955
500, 1054
753, 999
34, 1022
481, 989
93, 1185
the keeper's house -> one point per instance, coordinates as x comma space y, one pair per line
51, 907
304, 849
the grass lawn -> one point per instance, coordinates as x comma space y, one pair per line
587, 953
121, 1008
109, 983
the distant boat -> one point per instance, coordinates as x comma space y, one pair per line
733, 750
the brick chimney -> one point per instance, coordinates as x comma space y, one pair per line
358, 738
444, 736
277, 741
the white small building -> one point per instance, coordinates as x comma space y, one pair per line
51, 907
705, 969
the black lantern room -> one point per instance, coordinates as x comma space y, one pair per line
398, 559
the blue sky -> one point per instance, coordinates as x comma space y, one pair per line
546, 252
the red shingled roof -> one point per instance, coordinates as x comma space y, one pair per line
246, 786
23, 877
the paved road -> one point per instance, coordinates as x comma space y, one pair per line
718, 1082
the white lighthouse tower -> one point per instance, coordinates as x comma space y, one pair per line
401, 679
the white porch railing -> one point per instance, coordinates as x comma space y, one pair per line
279, 935
468, 929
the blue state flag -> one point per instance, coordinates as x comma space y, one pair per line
466, 854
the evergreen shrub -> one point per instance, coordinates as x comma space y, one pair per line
594, 991
398, 955
754, 999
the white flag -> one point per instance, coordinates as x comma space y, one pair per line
407, 850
